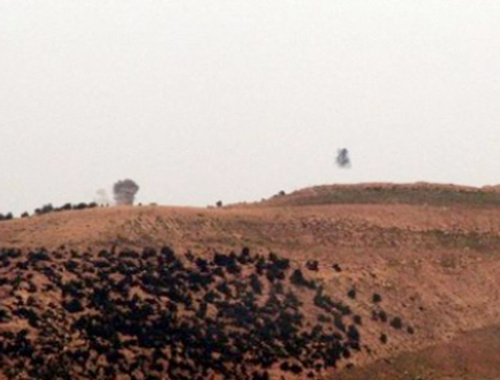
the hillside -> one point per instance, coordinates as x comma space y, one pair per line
420, 193
429, 253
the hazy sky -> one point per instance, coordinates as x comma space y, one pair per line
235, 100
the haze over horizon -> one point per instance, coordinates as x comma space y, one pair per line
237, 100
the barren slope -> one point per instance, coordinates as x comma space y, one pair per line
435, 263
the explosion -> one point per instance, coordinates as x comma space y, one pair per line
124, 192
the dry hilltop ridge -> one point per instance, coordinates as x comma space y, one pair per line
374, 281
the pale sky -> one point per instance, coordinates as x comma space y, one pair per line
236, 100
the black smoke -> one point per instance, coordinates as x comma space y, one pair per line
343, 160
124, 192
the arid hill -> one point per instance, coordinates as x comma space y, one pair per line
416, 265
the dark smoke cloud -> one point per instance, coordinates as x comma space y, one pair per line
124, 192
343, 159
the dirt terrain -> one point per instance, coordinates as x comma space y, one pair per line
429, 251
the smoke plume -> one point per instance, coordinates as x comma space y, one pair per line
124, 192
101, 198
343, 159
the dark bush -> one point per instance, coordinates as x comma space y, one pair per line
383, 316
255, 283
7, 216
296, 369
357, 319
67, 207
297, 279
80, 206
47, 208
4, 316
397, 323
383, 338
39, 256
353, 333
312, 265
351, 293
73, 306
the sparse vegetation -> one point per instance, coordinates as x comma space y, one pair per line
352, 293
48, 208
383, 338
205, 312
433, 195
297, 278
337, 268
397, 323
357, 319
312, 265
382, 315
7, 216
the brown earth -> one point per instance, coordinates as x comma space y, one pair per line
430, 251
